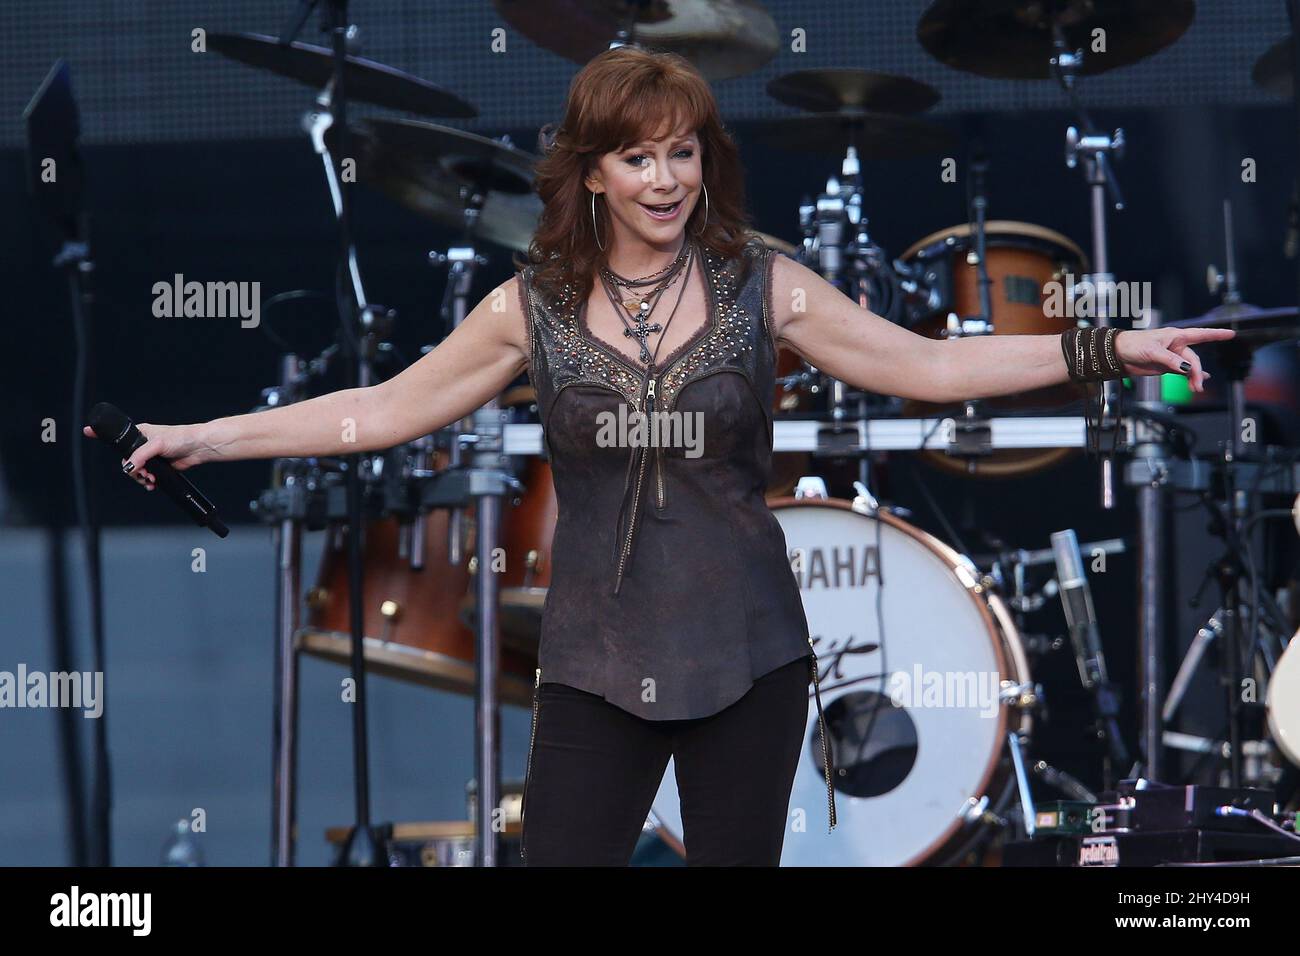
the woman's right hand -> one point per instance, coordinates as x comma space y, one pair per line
181, 445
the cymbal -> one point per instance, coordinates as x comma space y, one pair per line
367, 81
434, 169
875, 135
823, 90
1273, 69
722, 38
1012, 39
1255, 327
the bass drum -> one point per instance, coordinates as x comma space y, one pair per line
1283, 701
938, 660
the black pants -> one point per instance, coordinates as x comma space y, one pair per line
596, 768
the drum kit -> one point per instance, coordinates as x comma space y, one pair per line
918, 784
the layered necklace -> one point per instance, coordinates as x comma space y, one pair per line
631, 302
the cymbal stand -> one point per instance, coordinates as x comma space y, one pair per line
363, 847
1148, 469
1095, 150
1231, 521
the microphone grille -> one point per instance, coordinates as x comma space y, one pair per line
108, 421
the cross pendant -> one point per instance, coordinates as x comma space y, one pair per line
641, 331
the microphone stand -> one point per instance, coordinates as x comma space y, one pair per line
54, 124
74, 259
982, 324
979, 206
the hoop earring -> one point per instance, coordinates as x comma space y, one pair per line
594, 230
705, 221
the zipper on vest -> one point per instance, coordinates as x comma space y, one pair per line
528, 768
659, 474
826, 750
658, 449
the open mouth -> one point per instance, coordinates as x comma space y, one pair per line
663, 211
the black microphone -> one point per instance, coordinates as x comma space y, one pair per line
110, 425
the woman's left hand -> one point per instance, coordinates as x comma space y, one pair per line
1156, 351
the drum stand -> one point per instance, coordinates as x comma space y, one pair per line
287, 539
486, 481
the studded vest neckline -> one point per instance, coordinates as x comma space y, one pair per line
679, 352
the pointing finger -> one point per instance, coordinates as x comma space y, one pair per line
1206, 335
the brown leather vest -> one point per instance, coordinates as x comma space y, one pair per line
671, 588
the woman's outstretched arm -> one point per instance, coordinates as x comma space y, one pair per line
473, 364
857, 346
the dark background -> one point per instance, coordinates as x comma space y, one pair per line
195, 165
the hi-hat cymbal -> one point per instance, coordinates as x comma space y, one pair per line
366, 81
1273, 69
875, 135
823, 90
1013, 39
722, 38
435, 169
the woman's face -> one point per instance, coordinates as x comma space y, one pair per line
655, 172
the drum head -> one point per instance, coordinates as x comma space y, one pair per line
1283, 701
926, 654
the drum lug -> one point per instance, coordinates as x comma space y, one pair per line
977, 813
1019, 696
865, 503
972, 811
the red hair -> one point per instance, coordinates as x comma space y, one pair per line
623, 96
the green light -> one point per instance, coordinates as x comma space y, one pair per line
1175, 389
